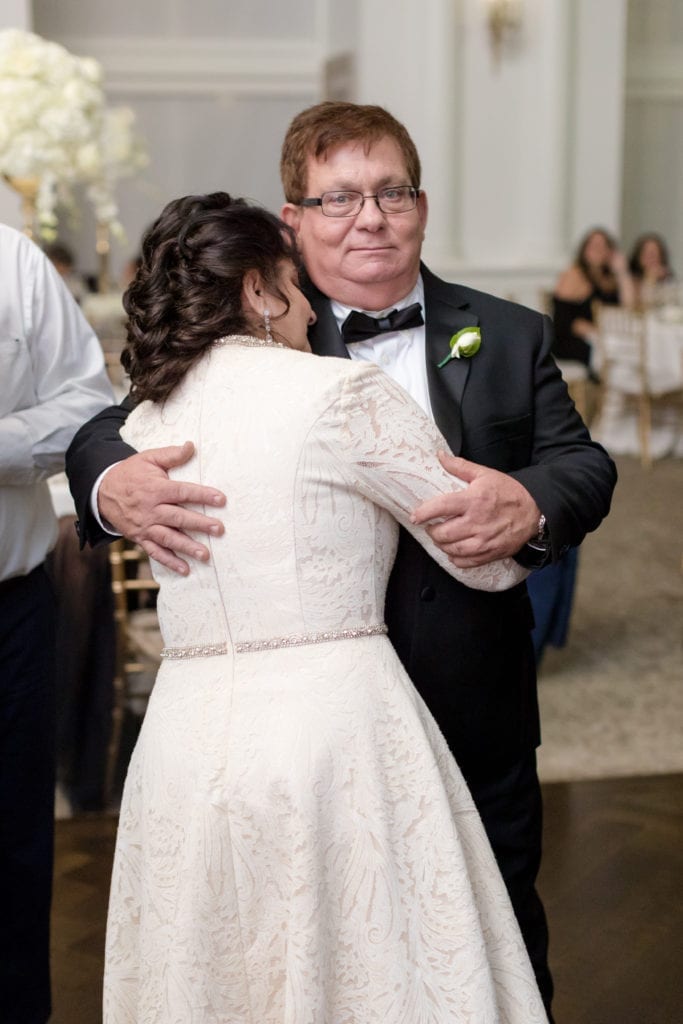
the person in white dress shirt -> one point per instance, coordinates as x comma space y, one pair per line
53, 378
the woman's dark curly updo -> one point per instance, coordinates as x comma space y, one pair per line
188, 288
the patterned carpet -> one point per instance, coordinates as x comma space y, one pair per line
612, 699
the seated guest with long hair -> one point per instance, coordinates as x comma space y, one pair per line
649, 266
597, 274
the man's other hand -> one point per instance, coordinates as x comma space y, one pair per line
493, 517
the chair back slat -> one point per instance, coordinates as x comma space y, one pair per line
629, 368
137, 640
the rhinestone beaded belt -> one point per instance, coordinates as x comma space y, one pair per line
197, 651
294, 640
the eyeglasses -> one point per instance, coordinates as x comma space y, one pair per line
392, 199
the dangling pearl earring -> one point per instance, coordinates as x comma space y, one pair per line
266, 325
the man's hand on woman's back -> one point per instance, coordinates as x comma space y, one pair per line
139, 501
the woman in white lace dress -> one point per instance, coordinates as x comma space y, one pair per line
296, 843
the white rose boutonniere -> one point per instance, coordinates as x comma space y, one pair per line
465, 344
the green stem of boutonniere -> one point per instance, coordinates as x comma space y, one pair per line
444, 361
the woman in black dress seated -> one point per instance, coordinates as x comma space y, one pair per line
598, 273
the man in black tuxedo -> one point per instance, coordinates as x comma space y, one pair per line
537, 482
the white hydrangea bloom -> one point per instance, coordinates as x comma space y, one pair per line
55, 128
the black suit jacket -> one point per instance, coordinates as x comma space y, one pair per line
468, 652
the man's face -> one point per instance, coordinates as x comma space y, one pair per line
371, 260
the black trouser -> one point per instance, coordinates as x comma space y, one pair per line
27, 729
84, 677
509, 803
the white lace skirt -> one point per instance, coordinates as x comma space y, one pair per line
296, 844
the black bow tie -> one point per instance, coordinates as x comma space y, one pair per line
360, 326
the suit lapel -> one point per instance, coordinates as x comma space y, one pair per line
324, 336
446, 313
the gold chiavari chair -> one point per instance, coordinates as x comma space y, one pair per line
625, 369
138, 643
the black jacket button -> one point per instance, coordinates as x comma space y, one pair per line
428, 594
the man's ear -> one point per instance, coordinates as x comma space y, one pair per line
422, 210
291, 215
253, 295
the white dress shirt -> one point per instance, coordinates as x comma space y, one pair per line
53, 380
401, 354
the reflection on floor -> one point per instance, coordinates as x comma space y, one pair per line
610, 880
611, 883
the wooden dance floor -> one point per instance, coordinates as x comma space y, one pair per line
611, 881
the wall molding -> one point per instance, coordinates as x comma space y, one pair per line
207, 67
656, 75
525, 283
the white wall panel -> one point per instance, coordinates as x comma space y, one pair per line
226, 19
598, 128
178, 67
653, 152
410, 63
496, 137
515, 177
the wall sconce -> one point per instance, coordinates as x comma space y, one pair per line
504, 19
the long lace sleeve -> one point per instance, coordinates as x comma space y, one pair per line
390, 446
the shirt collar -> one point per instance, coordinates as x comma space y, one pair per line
341, 311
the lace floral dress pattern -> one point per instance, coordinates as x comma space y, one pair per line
296, 843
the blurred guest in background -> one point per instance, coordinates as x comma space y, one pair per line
598, 274
63, 261
53, 378
551, 592
85, 660
649, 266
130, 269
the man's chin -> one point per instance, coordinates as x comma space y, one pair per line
366, 286
370, 270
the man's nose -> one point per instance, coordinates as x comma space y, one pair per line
369, 215
312, 318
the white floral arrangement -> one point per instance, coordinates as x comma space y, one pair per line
55, 129
123, 151
122, 154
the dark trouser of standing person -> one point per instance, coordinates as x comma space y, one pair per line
27, 782
84, 665
551, 592
511, 809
